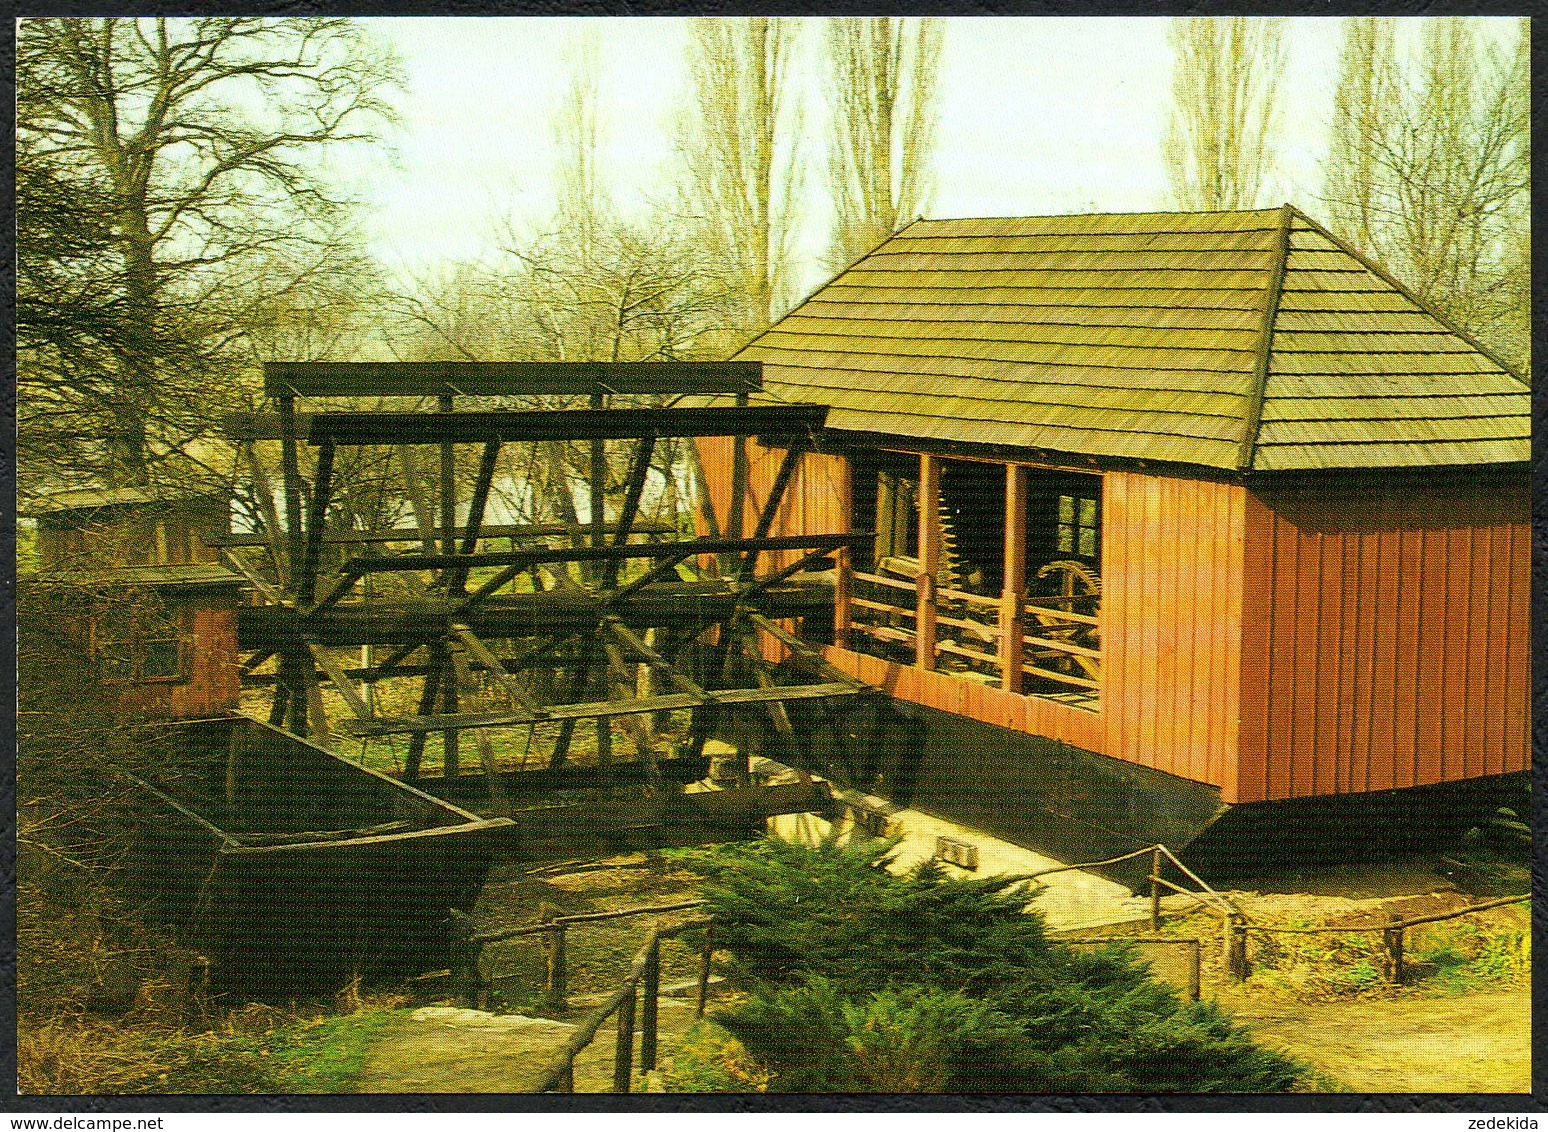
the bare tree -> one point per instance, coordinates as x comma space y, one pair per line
1225, 80
883, 72
1429, 171
739, 149
197, 136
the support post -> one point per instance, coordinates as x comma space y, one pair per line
1013, 595
843, 583
292, 472
1392, 936
649, 1005
1195, 962
557, 991
1155, 889
1236, 947
449, 698
705, 959
623, 1050
929, 560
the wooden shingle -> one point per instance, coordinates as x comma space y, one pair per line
1236, 340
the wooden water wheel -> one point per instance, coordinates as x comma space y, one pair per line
627, 637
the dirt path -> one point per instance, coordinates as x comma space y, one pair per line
444, 1050
1472, 1043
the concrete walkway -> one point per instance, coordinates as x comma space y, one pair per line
1069, 901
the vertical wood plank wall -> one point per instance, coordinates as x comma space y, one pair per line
1386, 642
1275, 648
214, 681
1171, 624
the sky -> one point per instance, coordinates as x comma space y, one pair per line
1037, 116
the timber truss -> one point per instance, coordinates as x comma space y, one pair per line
560, 650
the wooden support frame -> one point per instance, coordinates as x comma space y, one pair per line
617, 629
458, 577
290, 462
341, 683
843, 583
775, 425
925, 583
486, 759
243, 567
493, 665
322, 491
639, 470
1013, 595
506, 379
788, 466
414, 534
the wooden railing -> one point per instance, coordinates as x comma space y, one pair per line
642, 987
1044, 626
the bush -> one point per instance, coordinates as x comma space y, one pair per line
862, 980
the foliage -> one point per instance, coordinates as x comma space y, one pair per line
1429, 170
864, 979
172, 200
712, 1060
1225, 77
882, 89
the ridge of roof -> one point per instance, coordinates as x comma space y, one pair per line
1254, 416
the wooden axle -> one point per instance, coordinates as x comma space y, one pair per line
414, 534
516, 615
601, 709
506, 379
777, 425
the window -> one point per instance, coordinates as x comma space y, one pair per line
897, 516
140, 644
1079, 522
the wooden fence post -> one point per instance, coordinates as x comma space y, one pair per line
623, 1051
1155, 889
704, 970
1393, 937
558, 997
1236, 948
464, 955
652, 991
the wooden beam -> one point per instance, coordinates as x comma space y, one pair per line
289, 460
758, 585
505, 379
340, 682
787, 469
322, 489
601, 709
925, 582
241, 566
843, 583
657, 662
486, 759
427, 697
1013, 595
496, 667
486, 469
639, 469
778, 425
525, 558
413, 534
807, 652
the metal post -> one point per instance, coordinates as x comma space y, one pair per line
623, 1051
648, 1007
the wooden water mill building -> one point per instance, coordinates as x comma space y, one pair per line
1195, 527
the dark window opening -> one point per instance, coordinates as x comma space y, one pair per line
141, 644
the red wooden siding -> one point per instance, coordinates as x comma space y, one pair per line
1385, 641
1171, 624
213, 684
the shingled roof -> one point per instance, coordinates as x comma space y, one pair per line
1234, 340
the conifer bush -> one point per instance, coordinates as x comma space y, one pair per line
863, 980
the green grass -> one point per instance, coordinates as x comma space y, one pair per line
320, 1056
